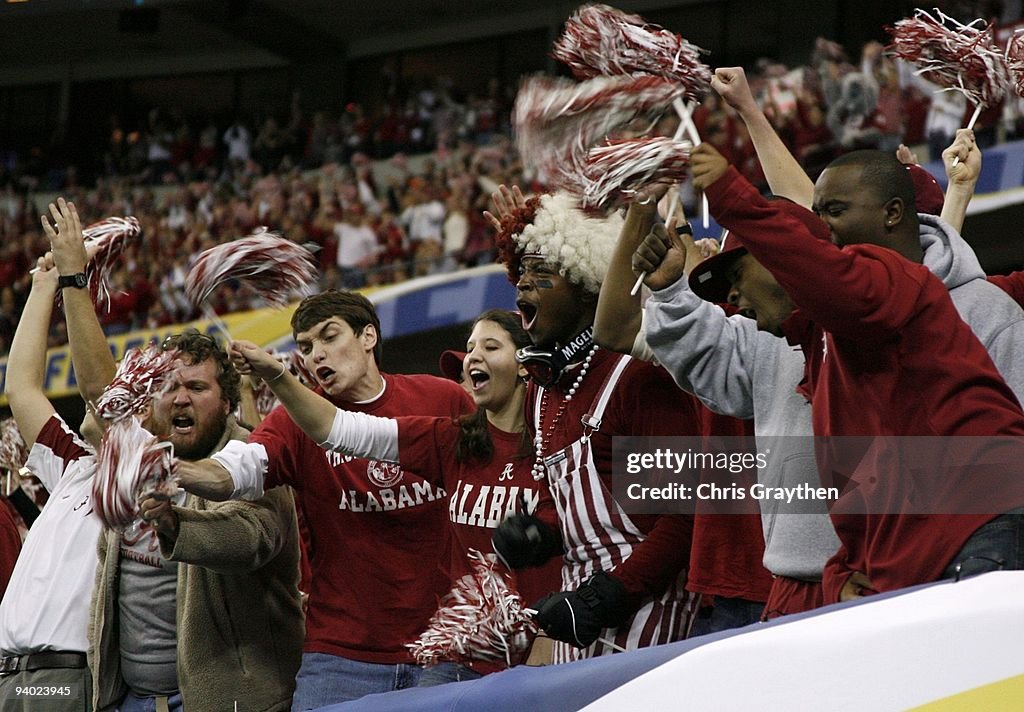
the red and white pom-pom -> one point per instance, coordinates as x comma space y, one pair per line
600, 40
131, 464
266, 401
13, 453
141, 375
263, 394
557, 120
298, 366
272, 266
614, 172
964, 59
480, 619
1015, 61
106, 240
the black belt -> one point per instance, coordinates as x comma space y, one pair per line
47, 660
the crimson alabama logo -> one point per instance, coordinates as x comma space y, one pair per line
383, 474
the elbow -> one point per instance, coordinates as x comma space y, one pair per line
610, 343
613, 339
90, 395
18, 390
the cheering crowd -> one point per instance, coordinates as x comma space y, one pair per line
308, 556
311, 175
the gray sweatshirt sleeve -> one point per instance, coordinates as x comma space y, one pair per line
707, 353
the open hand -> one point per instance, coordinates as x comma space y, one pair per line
66, 239
506, 202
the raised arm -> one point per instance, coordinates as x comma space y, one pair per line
357, 434
963, 177
94, 365
784, 174
617, 321
26, 363
860, 291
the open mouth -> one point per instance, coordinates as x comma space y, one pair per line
749, 313
528, 312
323, 374
182, 424
478, 378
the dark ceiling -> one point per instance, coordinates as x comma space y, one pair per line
41, 39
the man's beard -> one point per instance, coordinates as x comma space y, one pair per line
208, 438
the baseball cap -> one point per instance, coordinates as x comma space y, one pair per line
708, 279
450, 364
929, 196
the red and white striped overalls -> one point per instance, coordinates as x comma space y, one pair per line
599, 536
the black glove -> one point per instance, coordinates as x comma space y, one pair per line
577, 617
522, 541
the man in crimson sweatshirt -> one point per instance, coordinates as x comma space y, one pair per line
887, 355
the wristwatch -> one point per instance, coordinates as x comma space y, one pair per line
78, 281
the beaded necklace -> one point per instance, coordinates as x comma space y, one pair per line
543, 436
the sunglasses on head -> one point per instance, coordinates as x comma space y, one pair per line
174, 339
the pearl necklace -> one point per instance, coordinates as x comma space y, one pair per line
543, 436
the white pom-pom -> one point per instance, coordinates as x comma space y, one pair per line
12, 446
615, 171
955, 56
558, 121
106, 241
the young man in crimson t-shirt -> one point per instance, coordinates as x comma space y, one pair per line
377, 531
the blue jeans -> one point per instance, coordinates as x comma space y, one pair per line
134, 703
726, 614
443, 673
995, 546
329, 679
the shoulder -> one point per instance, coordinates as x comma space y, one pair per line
426, 387
58, 436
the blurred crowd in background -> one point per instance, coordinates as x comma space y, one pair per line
395, 191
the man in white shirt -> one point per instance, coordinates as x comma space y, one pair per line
44, 614
357, 247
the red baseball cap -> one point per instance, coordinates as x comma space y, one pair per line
929, 194
450, 364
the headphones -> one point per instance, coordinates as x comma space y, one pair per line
546, 366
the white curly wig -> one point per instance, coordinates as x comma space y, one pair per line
563, 235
